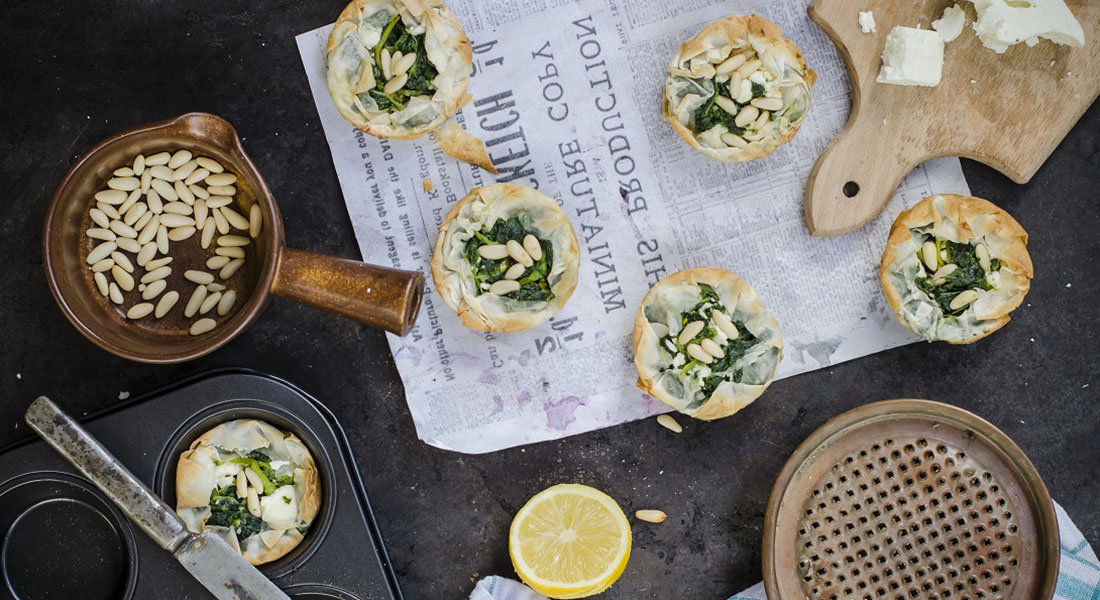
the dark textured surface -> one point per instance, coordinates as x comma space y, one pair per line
75, 72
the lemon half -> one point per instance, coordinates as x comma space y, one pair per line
570, 541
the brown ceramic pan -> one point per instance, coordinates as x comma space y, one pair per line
374, 295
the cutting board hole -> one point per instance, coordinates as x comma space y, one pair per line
851, 189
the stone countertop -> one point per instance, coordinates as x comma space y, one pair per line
76, 72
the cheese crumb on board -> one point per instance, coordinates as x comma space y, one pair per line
912, 57
866, 21
950, 25
1003, 23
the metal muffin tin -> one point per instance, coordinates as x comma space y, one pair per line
60, 538
909, 500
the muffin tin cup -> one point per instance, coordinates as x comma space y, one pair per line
61, 538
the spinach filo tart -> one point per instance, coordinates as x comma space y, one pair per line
398, 68
253, 484
705, 344
954, 267
506, 258
737, 90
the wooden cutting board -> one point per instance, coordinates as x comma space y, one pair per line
1008, 110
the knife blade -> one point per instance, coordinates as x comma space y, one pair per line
206, 556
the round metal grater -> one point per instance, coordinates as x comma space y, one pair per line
909, 500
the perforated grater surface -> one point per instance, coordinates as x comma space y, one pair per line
909, 500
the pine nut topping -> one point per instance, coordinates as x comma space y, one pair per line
210, 164
726, 104
532, 246
180, 157
111, 197
160, 158
128, 244
208, 232
396, 83
403, 65
185, 170
219, 221
178, 208
746, 116
155, 274
139, 311
230, 251
253, 496
385, 63
122, 229
210, 302
242, 485
199, 277
712, 348
221, 179
748, 68
124, 279
195, 301
114, 293
229, 298
772, 104
124, 184
503, 286
204, 326
217, 262
147, 252
725, 324
945, 270
983, 257
179, 234
101, 283
139, 164
493, 251
233, 240
689, 332
928, 253
101, 252
732, 139
103, 265
669, 423
235, 219
101, 234
161, 172
121, 260
963, 299
154, 289
230, 269
697, 352
100, 218
730, 64
196, 176
166, 303
515, 271
166, 190
518, 254
650, 516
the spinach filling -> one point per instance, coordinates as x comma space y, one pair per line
968, 276
227, 510
710, 114
534, 285
721, 369
395, 37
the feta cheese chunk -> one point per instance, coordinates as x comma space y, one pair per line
912, 57
950, 25
280, 509
1002, 23
866, 21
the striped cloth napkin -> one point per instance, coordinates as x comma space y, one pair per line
1078, 573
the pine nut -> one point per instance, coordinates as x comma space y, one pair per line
503, 286
122, 229
196, 176
114, 197
983, 257
255, 221
384, 61
183, 192
208, 233
103, 265
726, 104
149, 232
493, 251
146, 254
233, 240
772, 104
218, 201
746, 116
229, 298
139, 164
162, 239
128, 244
101, 234
669, 423
195, 301
944, 271
178, 208
210, 302
730, 64
404, 64
177, 160
215, 287
156, 274
963, 299
121, 260
166, 190
253, 478
518, 254
210, 164
124, 184
199, 277
712, 348
166, 303
928, 253
139, 311
124, 172
178, 234
184, 171
219, 221
762, 120
146, 181
199, 191
114, 293
130, 200
697, 352
230, 251
158, 263
152, 198
204, 326
101, 283
533, 247
396, 83
734, 140
235, 219
171, 220
101, 252
748, 68
100, 218
220, 190
725, 324
253, 497
201, 213
230, 269
154, 289
689, 332
515, 271
124, 279
108, 210
143, 221
221, 179
242, 485
161, 172
160, 158
131, 216
650, 516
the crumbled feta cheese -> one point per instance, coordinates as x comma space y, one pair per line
866, 21
678, 361
280, 509
912, 57
745, 93
1002, 23
950, 25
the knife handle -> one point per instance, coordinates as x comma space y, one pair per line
100, 467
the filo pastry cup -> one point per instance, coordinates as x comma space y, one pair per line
705, 344
737, 90
363, 84
506, 258
216, 460
954, 268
